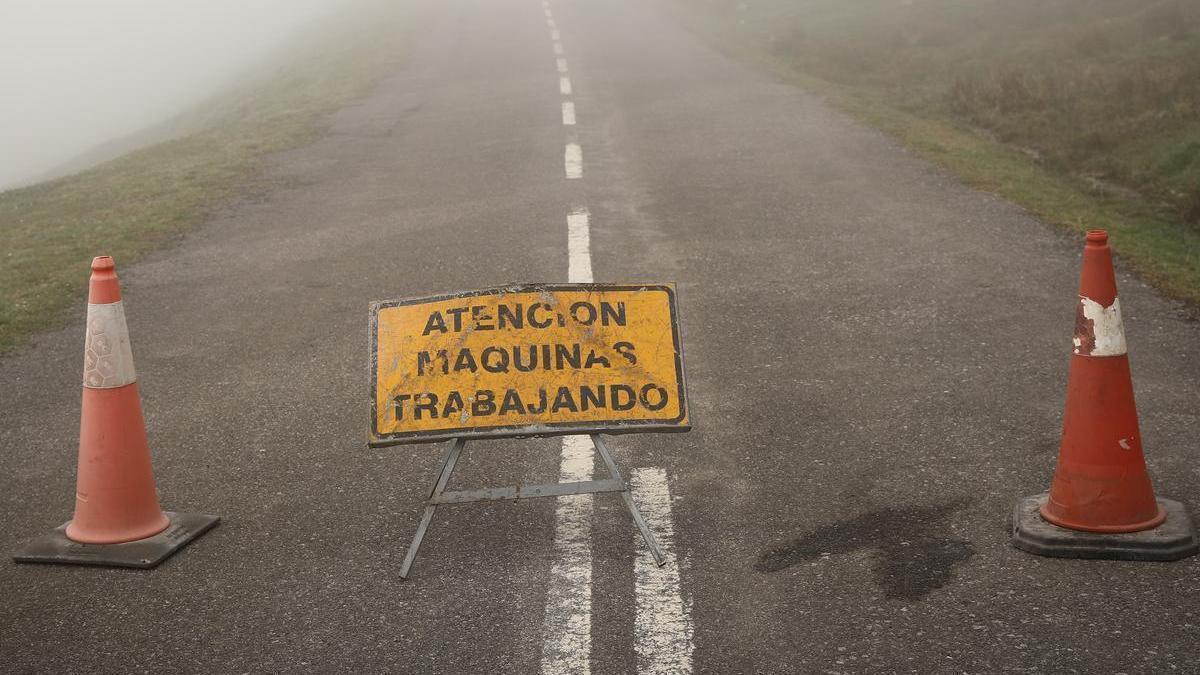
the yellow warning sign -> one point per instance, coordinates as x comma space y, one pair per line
527, 361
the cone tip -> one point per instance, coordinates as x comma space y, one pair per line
1097, 237
103, 287
103, 263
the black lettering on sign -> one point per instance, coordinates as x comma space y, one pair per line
626, 349
508, 316
435, 322
398, 404
429, 406
498, 363
589, 398
479, 317
614, 393
454, 404
424, 359
564, 401
584, 313
465, 361
594, 359
653, 391
528, 366
566, 355
532, 315
484, 403
512, 403
457, 312
539, 409
610, 314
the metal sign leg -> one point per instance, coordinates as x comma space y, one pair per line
651, 543
448, 461
438, 495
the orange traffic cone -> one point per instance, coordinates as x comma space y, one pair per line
115, 498
116, 503
1101, 502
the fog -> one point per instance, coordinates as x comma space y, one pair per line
75, 74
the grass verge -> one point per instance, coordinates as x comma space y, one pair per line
977, 94
143, 200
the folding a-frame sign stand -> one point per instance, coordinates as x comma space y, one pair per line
439, 496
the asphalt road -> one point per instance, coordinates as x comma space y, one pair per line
876, 354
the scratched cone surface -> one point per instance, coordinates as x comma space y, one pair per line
1100, 483
115, 497
527, 360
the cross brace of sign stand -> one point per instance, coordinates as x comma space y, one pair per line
439, 496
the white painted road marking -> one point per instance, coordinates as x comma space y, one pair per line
573, 160
579, 255
663, 625
567, 628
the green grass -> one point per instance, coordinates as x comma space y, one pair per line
1086, 112
145, 199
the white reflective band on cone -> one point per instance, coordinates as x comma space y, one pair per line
1107, 328
107, 356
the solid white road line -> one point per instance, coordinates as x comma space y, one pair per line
564, 85
567, 628
663, 624
561, 64
573, 160
568, 113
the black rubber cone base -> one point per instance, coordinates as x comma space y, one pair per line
1173, 540
143, 553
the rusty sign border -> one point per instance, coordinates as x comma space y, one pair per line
376, 440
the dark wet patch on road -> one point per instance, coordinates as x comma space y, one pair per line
913, 559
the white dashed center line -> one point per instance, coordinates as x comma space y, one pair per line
579, 254
567, 627
573, 160
663, 628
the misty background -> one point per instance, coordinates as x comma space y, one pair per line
77, 74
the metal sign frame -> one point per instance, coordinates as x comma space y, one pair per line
377, 440
438, 496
